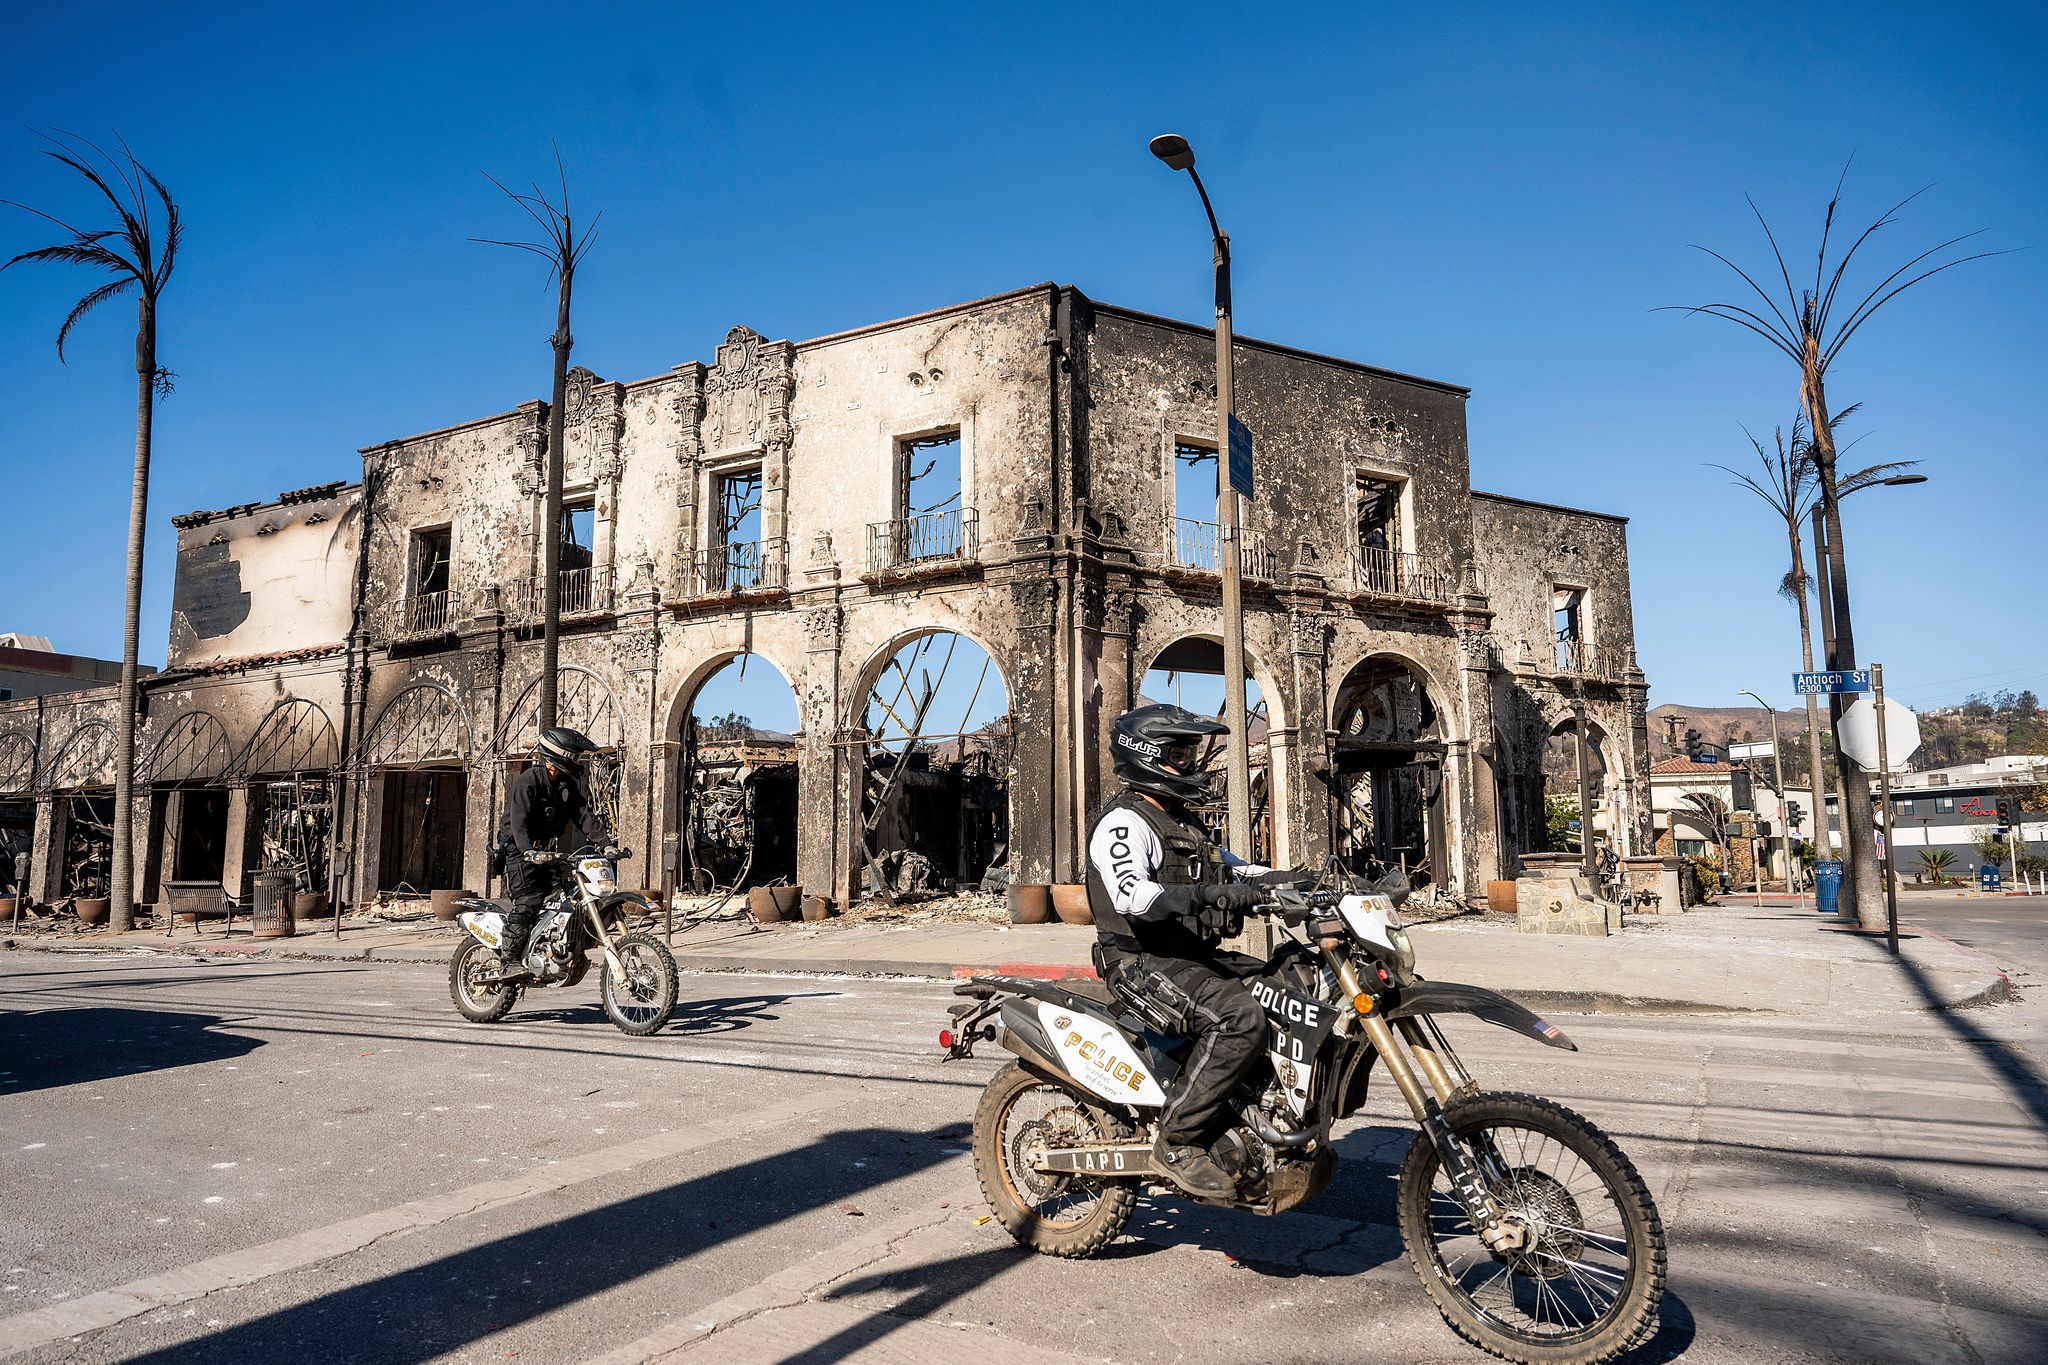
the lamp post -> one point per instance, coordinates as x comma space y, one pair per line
1173, 149
1838, 636
1778, 758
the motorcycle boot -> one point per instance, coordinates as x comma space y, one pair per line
1193, 1169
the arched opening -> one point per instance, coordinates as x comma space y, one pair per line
1387, 765
417, 752
736, 778
289, 765
82, 778
17, 807
936, 767
185, 773
1189, 673
1562, 819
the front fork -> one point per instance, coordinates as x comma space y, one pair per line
604, 941
1436, 1064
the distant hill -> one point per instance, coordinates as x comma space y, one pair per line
1982, 727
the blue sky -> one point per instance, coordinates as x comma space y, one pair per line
1496, 196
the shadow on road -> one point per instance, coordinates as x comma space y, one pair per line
45, 1049
444, 1305
693, 1018
2028, 1086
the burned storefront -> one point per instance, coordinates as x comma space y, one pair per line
854, 613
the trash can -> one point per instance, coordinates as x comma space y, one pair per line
1827, 886
271, 913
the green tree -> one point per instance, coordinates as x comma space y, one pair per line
1558, 834
138, 248
1935, 864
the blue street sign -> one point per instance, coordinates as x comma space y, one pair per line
1842, 680
1240, 457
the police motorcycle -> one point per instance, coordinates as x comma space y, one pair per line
1530, 1230
586, 917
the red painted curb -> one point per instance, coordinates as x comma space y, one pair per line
1037, 971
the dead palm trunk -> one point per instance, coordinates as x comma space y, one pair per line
1805, 330
1824, 845
139, 260
563, 249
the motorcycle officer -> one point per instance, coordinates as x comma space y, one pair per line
1164, 897
544, 802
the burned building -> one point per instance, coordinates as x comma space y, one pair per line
957, 545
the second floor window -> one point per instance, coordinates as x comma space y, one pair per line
1568, 624
432, 559
1194, 482
928, 475
739, 507
579, 533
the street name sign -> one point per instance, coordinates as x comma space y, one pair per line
1240, 457
1841, 680
1738, 752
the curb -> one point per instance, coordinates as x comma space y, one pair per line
1998, 992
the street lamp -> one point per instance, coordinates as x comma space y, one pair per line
1778, 757
1835, 625
1173, 149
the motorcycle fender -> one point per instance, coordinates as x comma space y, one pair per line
1095, 1053
1448, 997
626, 903
485, 926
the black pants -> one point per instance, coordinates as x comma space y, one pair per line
528, 887
1228, 1028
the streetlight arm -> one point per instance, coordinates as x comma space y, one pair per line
1222, 242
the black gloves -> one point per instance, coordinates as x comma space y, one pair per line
1235, 896
540, 856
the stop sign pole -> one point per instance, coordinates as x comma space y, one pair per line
1884, 803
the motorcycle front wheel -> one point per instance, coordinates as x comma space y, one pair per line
1587, 1283
643, 1001
1022, 1113
478, 999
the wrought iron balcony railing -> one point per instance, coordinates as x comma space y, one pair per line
1577, 658
1195, 547
931, 538
738, 567
423, 613
1390, 573
583, 591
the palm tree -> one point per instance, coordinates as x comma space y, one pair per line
1935, 863
563, 250
1790, 484
1808, 328
138, 252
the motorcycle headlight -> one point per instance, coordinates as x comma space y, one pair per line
1404, 948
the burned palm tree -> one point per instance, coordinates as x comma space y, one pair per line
138, 250
1809, 326
1790, 486
563, 249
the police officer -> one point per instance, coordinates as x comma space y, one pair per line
546, 801
1164, 897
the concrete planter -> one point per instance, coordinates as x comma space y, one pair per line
1070, 903
443, 903
818, 908
311, 905
787, 900
1030, 903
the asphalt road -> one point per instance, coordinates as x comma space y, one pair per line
2011, 929
272, 1160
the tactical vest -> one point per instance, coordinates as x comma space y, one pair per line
1188, 858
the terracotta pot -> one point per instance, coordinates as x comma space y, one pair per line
1500, 897
444, 904
1070, 903
762, 906
788, 901
6, 907
92, 909
818, 907
310, 905
1030, 903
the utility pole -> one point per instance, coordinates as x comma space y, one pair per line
1847, 906
1784, 820
1884, 803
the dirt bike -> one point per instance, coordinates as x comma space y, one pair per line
1530, 1230
586, 917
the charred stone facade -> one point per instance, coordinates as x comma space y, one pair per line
381, 639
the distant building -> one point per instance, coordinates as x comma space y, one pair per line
30, 668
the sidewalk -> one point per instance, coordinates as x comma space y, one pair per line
1731, 956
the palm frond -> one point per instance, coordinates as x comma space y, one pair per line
90, 302
1790, 294
1729, 312
1864, 478
1886, 219
1865, 311
73, 253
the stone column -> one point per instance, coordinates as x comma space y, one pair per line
1035, 707
46, 849
828, 773
235, 844
479, 825
1300, 758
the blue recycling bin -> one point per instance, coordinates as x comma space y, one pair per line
1827, 886
1989, 876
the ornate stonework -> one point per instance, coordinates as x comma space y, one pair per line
594, 418
821, 628
746, 394
1035, 599
1119, 607
1311, 633
634, 648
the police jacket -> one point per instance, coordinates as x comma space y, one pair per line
539, 809
1144, 866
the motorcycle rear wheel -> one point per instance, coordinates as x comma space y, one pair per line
642, 1003
1589, 1284
1059, 1215
478, 1001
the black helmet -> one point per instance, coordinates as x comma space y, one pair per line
1156, 749
563, 747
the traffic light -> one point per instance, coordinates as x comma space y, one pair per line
2004, 810
1794, 813
1692, 744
